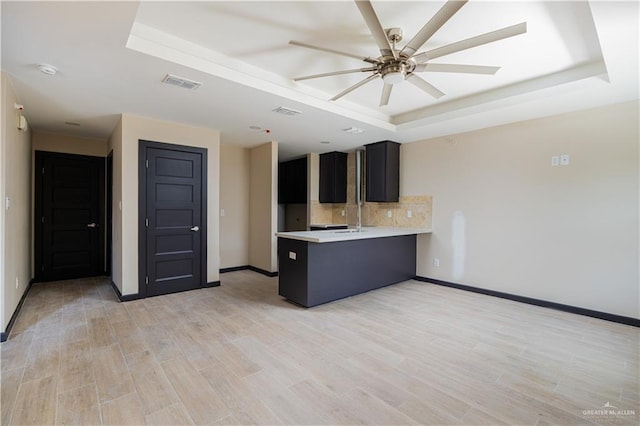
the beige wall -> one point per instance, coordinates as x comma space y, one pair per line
234, 200
125, 150
15, 223
505, 219
43, 141
263, 220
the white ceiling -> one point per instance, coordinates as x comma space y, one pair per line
112, 56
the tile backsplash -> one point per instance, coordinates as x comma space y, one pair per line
373, 214
376, 214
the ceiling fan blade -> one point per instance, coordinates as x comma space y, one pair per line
386, 92
370, 17
355, 86
445, 13
336, 52
457, 68
458, 46
418, 82
328, 74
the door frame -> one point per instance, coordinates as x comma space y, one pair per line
38, 244
142, 209
109, 214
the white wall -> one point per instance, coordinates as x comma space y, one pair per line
15, 223
263, 216
125, 145
504, 219
234, 200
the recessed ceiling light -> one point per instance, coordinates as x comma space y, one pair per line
47, 69
325, 142
255, 127
353, 130
71, 123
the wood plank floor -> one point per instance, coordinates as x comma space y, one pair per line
412, 353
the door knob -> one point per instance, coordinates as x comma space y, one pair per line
195, 228
92, 225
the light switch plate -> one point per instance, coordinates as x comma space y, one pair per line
564, 160
293, 255
389, 214
409, 214
555, 161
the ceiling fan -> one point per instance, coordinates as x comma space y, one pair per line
397, 65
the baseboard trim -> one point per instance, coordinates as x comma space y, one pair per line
538, 302
212, 284
234, 268
126, 298
5, 334
263, 272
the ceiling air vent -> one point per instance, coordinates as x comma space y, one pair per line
286, 111
174, 80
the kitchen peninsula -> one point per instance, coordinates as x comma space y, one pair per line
317, 267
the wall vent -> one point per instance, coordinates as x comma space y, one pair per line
185, 83
286, 111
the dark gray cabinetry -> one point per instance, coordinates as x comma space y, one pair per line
314, 273
383, 172
292, 182
333, 177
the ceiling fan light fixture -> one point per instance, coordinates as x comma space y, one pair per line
394, 73
394, 77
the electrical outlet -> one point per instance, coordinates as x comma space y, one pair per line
564, 160
389, 215
7, 203
436, 262
17, 282
555, 161
342, 213
409, 214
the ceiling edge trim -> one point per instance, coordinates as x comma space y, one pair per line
150, 41
463, 106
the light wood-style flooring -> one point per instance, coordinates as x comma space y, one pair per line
412, 353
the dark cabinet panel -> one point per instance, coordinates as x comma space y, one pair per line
292, 182
383, 172
333, 177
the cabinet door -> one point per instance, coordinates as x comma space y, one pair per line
383, 172
333, 177
292, 182
283, 192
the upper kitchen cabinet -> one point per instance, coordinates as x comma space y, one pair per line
333, 177
292, 182
383, 172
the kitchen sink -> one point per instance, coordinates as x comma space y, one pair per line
349, 231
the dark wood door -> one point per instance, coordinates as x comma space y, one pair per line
69, 216
174, 218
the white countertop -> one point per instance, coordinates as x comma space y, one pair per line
332, 236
